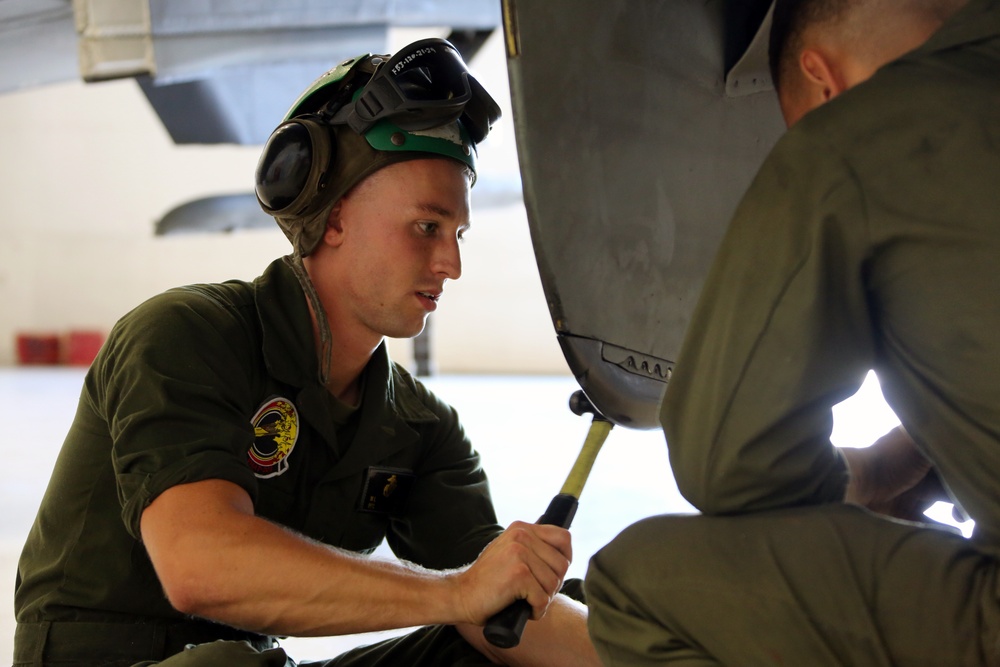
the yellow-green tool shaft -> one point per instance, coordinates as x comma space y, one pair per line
577, 478
504, 628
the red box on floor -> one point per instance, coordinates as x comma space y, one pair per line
37, 349
82, 347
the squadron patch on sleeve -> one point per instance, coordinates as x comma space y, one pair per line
276, 429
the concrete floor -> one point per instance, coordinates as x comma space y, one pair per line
522, 426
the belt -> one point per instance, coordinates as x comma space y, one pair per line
88, 642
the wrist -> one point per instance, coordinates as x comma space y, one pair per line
439, 596
455, 594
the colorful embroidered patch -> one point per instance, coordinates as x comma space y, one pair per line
276, 429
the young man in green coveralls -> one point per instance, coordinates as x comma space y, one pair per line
240, 448
869, 239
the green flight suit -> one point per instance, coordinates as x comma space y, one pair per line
869, 239
221, 382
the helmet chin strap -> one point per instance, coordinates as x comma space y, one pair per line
322, 322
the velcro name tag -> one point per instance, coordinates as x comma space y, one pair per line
385, 490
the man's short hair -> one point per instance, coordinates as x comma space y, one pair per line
791, 19
788, 23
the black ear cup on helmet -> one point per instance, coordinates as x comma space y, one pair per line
291, 172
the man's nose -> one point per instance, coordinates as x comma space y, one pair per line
448, 259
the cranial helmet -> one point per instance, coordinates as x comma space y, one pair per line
362, 115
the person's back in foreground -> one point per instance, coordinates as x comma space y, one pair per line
240, 448
869, 239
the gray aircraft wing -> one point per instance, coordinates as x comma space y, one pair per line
219, 71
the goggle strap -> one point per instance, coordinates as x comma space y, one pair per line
346, 115
378, 100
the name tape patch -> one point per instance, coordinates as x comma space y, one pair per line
385, 490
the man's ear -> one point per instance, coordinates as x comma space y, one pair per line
334, 233
823, 78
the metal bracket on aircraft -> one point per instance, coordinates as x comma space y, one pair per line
628, 385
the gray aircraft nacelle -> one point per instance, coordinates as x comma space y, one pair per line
639, 125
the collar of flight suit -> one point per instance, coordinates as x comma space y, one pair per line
289, 348
979, 20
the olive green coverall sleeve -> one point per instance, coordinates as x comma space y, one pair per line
747, 412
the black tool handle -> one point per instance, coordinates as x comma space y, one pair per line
505, 627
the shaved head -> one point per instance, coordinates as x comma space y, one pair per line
788, 23
852, 37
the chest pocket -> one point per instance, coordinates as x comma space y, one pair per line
386, 490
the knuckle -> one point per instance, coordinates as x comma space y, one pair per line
519, 550
521, 570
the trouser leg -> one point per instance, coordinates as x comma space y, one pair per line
229, 653
431, 646
830, 585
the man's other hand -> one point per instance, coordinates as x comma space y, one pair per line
892, 477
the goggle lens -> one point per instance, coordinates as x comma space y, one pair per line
430, 72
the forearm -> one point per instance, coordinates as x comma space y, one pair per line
558, 639
319, 590
217, 560
249, 573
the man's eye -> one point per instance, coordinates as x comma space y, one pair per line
428, 228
